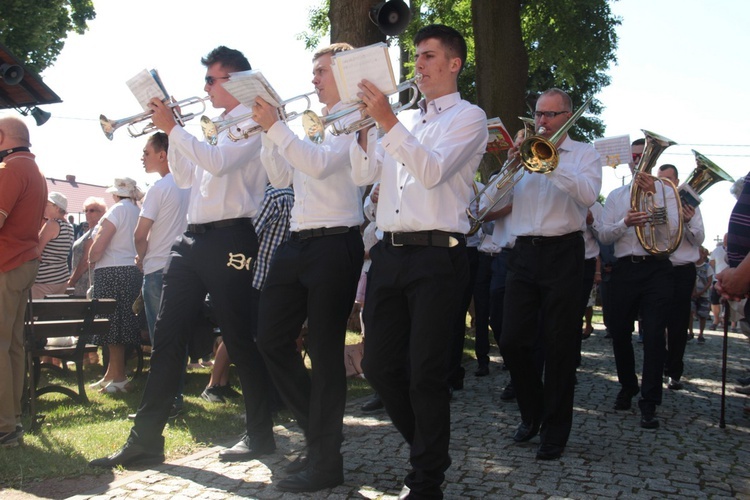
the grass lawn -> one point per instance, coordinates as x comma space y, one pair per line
73, 434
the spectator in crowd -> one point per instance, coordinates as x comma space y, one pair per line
117, 277
80, 280
704, 275
55, 242
23, 191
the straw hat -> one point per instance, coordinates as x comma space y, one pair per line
125, 187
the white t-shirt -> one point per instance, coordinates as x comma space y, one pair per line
166, 205
121, 249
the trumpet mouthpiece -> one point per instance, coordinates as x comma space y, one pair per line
541, 130
418, 78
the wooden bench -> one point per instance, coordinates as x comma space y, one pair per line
52, 318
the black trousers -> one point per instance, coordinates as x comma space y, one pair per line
215, 262
455, 369
640, 290
544, 285
314, 279
589, 268
412, 301
679, 319
482, 309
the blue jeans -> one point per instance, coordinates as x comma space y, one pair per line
151, 299
152, 283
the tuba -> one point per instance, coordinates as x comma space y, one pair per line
641, 201
705, 175
536, 154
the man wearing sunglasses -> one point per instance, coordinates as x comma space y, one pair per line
545, 278
213, 256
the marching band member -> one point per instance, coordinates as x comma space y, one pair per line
426, 167
545, 276
213, 256
641, 287
683, 265
313, 276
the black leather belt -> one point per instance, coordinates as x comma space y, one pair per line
425, 239
548, 240
202, 228
321, 231
637, 259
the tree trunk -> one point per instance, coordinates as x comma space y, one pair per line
501, 60
350, 23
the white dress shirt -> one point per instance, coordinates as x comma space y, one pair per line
426, 165
227, 180
693, 235
556, 203
324, 193
613, 229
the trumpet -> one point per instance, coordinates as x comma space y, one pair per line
642, 201
536, 154
315, 124
212, 129
110, 126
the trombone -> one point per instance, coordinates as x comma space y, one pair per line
315, 124
109, 126
212, 129
536, 154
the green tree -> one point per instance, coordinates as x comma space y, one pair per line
35, 31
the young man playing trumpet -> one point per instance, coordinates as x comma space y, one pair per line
213, 256
313, 276
426, 163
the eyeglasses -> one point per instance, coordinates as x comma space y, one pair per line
548, 114
210, 80
637, 157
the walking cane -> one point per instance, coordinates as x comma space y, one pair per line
722, 423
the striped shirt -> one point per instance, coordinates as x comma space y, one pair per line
738, 234
272, 228
53, 267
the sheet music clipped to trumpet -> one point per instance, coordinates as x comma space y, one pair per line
245, 86
145, 86
372, 63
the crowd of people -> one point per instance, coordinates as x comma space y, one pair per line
269, 228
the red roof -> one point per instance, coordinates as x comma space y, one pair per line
77, 192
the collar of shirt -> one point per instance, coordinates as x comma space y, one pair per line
440, 104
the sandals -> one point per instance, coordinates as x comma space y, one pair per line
100, 383
114, 387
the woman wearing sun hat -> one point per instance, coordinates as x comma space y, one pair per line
117, 277
55, 242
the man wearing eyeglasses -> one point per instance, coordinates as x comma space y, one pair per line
545, 278
213, 256
640, 288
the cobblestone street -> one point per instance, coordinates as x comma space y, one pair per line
608, 454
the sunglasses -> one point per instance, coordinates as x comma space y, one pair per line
210, 80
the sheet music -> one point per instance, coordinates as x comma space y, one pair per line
367, 63
245, 86
145, 86
614, 150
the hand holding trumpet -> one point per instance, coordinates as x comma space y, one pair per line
376, 105
264, 114
163, 117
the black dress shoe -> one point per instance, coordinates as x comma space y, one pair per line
482, 371
549, 451
509, 393
675, 384
130, 454
298, 465
524, 432
625, 397
244, 450
373, 404
743, 381
309, 480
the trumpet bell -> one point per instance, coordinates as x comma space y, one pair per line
314, 126
108, 126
